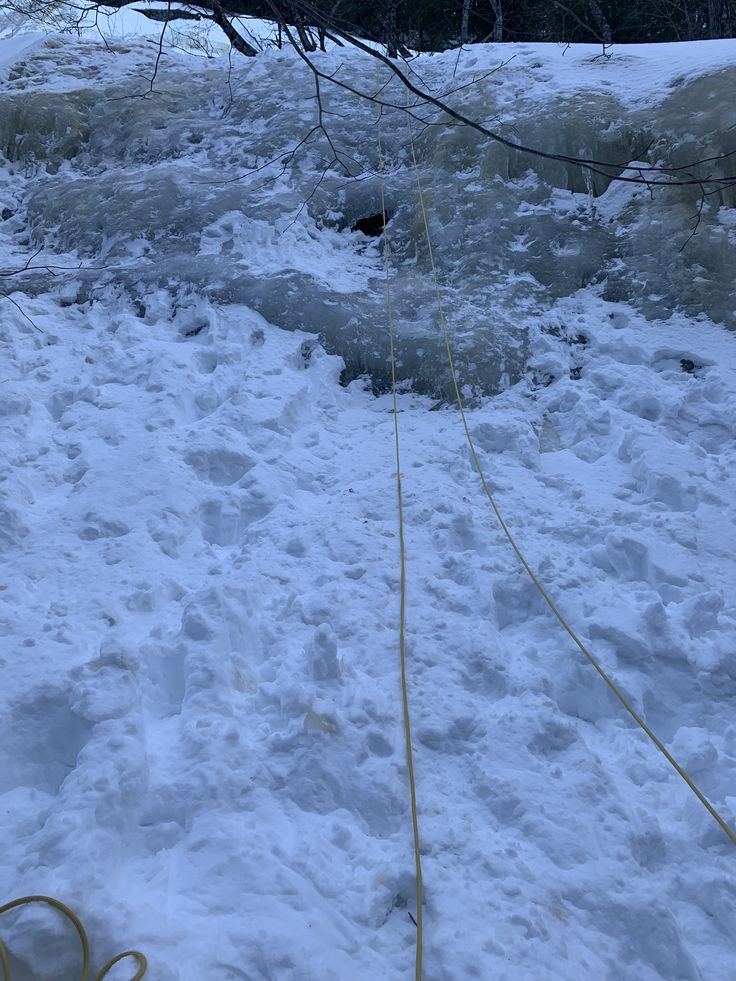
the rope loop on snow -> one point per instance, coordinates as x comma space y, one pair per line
402, 553
507, 532
83, 940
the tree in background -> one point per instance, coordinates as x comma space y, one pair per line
721, 16
432, 25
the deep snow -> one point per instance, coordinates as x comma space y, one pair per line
201, 744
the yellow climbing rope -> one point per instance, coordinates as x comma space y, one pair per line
534, 578
82, 934
402, 606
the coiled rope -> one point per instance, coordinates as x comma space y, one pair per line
532, 575
402, 552
81, 933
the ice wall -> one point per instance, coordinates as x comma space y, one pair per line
219, 184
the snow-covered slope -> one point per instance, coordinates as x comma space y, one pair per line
201, 737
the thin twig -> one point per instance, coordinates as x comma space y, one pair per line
21, 311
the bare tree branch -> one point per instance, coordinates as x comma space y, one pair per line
294, 18
21, 311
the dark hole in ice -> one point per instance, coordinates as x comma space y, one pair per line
372, 225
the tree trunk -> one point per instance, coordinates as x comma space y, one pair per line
601, 23
497, 8
233, 36
389, 20
720, 18
464, 22
305, 36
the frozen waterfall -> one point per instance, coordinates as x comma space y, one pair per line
204, 188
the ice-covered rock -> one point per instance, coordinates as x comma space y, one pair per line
205, 183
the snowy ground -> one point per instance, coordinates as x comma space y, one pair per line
201, 745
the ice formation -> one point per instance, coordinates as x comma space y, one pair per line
190, 203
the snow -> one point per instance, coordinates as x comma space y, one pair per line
12, 48
201, 743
